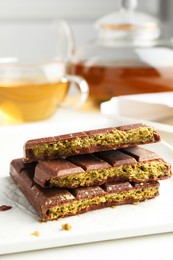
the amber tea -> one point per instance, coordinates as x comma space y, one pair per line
30, 100
34, 92
108, 81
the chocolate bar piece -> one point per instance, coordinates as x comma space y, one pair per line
88, 142
133, 164
5, 207
57, 203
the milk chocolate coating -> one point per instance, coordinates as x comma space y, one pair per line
61, 146
46, 201
99, 167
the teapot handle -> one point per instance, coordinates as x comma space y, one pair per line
65, 39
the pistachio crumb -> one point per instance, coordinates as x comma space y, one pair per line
66, 226
58, 219
136, 203
36, 234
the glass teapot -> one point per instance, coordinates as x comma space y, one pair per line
129, 56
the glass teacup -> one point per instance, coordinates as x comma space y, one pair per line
31, 88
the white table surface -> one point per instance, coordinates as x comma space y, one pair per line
145, 247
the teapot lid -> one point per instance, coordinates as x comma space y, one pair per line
128, 23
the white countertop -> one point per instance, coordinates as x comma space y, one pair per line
142, 247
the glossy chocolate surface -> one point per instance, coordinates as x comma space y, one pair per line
43, 200
98, 163
67, 146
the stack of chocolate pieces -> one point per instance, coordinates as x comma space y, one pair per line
74, 173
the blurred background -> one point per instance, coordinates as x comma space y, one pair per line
35, 15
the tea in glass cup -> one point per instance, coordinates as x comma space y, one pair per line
31, 92
33, 80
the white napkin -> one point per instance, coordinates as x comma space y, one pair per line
143, 106
146, 107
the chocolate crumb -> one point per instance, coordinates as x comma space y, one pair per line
66, 226
5, 207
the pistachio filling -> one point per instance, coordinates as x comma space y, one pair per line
72, 208
116, 137
140, 171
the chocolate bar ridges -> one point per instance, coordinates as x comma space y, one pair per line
133, 164
56, 203
89, 142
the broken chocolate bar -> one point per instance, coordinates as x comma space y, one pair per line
130, 164
57, 203
88, 142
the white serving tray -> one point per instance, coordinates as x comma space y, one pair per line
18, 224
